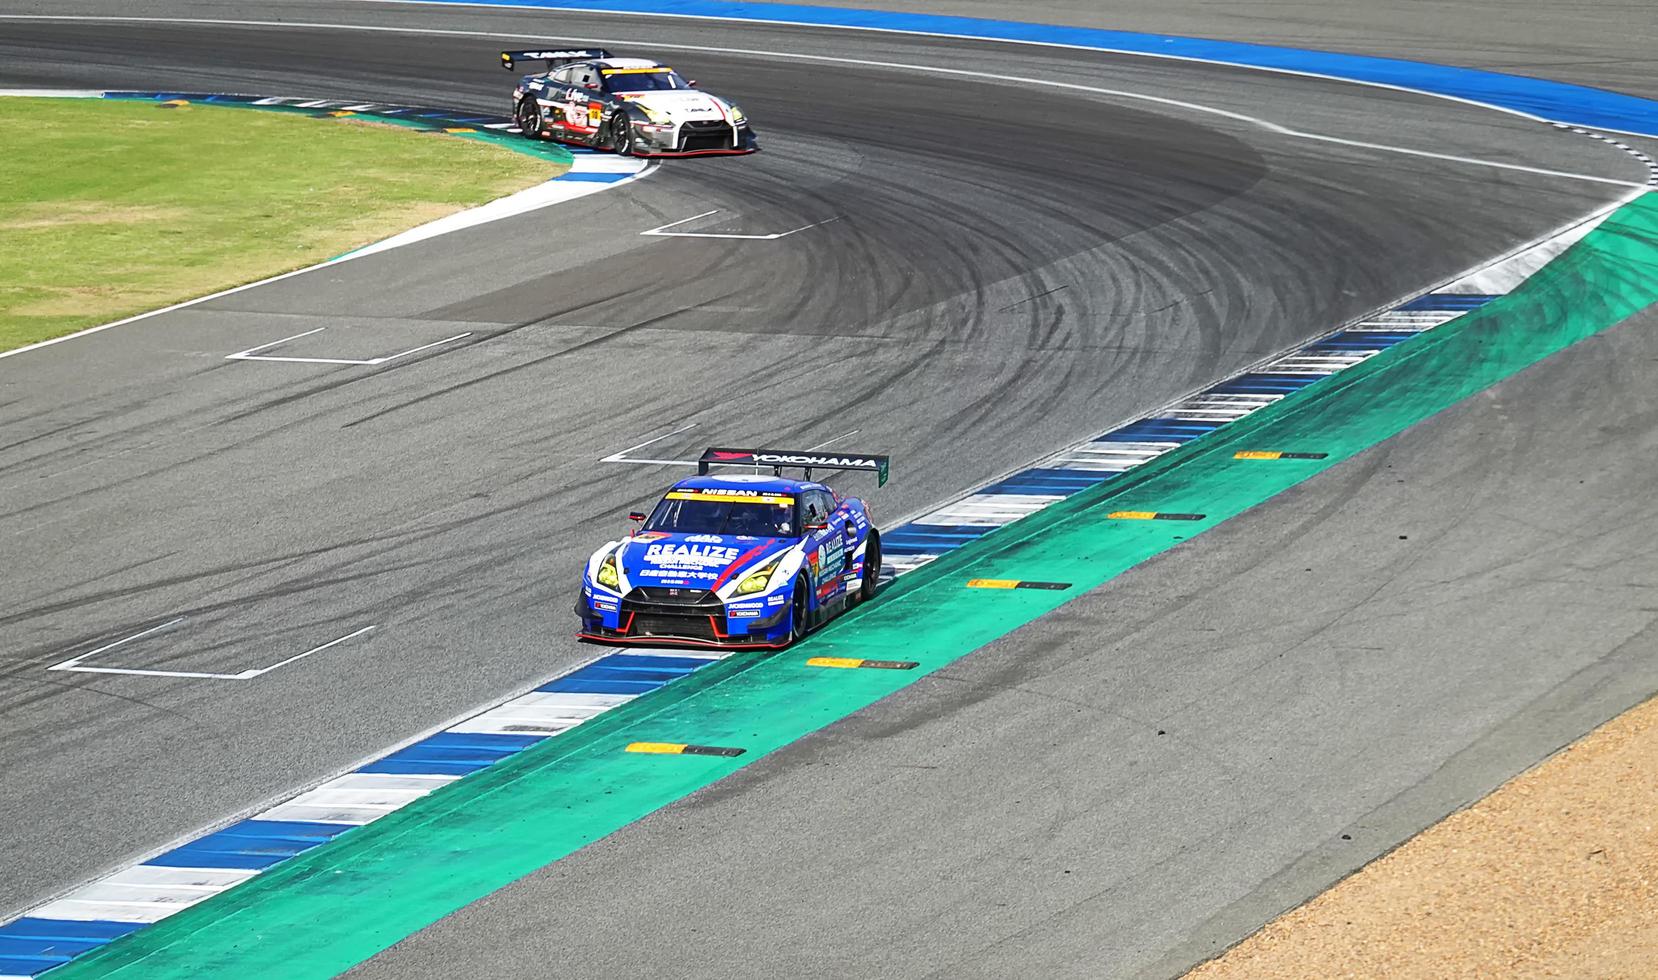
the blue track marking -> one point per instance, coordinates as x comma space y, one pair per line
250, 845
449, 754
30, 946
1562, 102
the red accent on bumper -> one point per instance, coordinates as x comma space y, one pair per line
676, 641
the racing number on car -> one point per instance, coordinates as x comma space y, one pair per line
595, 112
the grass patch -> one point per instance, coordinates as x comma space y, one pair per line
112, 208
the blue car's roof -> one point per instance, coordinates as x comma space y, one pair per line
746, 481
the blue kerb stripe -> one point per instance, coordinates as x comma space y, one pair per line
33, 945
618, 674
582, 685
24, 966
650, 661
290, 829
250, 845
183, 857
1049, 481
53, 951
1264, 384
652, 678
451, 754
1447, 302
1560, 101
593, 177
1359, 338
929, 539
70, 930
1160, 430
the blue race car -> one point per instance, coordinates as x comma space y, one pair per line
745, 560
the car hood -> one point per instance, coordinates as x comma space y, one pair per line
702, 561
681, 105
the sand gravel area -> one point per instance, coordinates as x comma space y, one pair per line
1553, 875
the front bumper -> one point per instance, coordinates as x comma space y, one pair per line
695, 139
690, 617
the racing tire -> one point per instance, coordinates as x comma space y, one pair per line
527, 116
872, 568
621, 135
799, 612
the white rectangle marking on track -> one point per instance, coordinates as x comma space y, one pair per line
75, 663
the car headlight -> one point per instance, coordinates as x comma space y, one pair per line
757, 581
737, 115
608, 576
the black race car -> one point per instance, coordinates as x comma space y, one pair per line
630, 105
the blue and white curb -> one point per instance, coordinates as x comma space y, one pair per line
194, 871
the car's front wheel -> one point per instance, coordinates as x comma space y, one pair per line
872, 567
621, 135
800, 612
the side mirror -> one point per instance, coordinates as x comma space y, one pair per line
692, 83
635, 516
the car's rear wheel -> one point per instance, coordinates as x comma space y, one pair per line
621, 134
528, 117
872, 567
800, 611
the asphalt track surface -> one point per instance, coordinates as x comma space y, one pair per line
997, 275
1601, 43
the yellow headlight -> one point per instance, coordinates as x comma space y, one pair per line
607, 576
756, 581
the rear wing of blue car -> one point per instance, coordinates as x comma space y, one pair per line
552, 58
781, 459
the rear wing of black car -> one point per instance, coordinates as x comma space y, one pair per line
552, 58
780, 459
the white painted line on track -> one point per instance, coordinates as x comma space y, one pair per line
833, 439
250, 674
275, 343
71, 663
76, 666
661, 231
622, 456
437, 343
250, 355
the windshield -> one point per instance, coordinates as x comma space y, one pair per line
761, 515
643, 79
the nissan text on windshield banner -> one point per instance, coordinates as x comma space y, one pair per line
790, 458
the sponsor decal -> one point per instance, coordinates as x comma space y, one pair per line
794, 459
690, 555
732, 496
644, 536
706, 539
